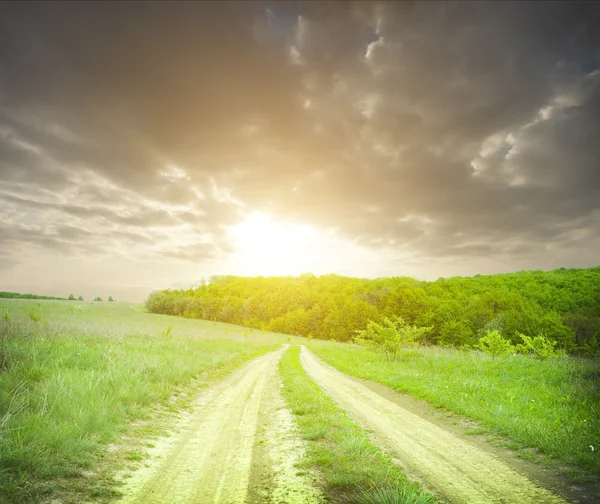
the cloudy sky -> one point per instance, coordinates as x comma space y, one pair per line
149, 145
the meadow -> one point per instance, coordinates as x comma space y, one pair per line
76, 376
551, 405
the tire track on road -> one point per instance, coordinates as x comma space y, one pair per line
209, 459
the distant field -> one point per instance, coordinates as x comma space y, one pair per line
553, 406
74, 375
125, 318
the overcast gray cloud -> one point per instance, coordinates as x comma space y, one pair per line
442, 130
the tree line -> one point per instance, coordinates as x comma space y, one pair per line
17, 295
561, 305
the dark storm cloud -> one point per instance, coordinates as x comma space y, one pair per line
451, 129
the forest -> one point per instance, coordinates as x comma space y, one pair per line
17, 295
562, 305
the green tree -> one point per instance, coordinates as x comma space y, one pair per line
110, 299
98, 298
392, 338
71, 297
495, 345
539, 347
80, 298
455, 333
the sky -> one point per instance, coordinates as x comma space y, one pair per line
151, 145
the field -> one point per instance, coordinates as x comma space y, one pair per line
105, 402
72, 382
552, 405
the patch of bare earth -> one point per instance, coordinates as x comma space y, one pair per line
446, 463
234, 439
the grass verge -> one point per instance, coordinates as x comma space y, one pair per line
353, 470
65, 394
553, 406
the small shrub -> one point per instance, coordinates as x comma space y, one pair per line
167, 334
394, 495
36, 314
591, 347
539, 347
393, 338
495, 345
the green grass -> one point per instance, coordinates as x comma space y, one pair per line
126, 318
553, 406
72, 385
353, 469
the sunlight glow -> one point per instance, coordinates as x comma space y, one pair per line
266, 247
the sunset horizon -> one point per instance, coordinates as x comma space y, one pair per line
152, 145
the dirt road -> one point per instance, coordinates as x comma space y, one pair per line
216, 455
449, 466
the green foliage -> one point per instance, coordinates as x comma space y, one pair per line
35, 314
455, 333
98, 298
563, 305
17, 295
6, 314
495, 345
391, 495
539, 347
80, 298
110, 299
592, 346
71, 297
166, 334
392, 338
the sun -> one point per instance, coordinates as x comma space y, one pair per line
268, 247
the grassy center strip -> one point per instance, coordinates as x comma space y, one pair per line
353, 469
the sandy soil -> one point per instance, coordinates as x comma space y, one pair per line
220, 454
453, 468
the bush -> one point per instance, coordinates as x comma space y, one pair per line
36, 313
495, 345
160, 302
392, 338
455, 333
591, 347
539, 347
